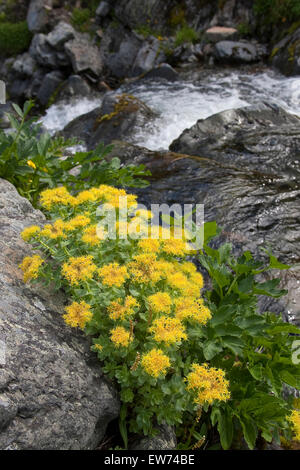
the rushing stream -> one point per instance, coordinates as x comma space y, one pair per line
179, 105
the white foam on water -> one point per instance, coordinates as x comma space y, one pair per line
59, 115
179, 105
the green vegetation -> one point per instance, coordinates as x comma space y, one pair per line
177, 16
185, 35
33, 161
14, 38
212, 366
244, 29
81, 19
276, 12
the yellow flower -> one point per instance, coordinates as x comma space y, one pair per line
77, 222
160, 302
294, 419
174, 246
30, 267
30, 232
149, 245
120, 337
138, 227
165, 268
90, 195
54, 231
168, 330
155, 362
52, 197
208, 384
188, 268
197, 279
117, 311
79, 269
78, 314
193, 309
92, 236
31, 164
143, 268
98, 347
113, 274
178, 280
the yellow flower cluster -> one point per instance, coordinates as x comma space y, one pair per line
120, 336
55, 230
77, 222
193, 309
143, 269
160, 302
149, 245
209, 384
174, 247
155, 363
78, 314
30, 232
168, 330
30, 267
294, 419
79, 269
113, 274
118, 311
52, 197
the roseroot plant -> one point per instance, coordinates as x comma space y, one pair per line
176, 358
32, 160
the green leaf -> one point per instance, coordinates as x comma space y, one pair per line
225, 428
211, 349
222, 314
236, 345
275, 264
210, 231
250, 431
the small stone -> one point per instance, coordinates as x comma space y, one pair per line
220, 33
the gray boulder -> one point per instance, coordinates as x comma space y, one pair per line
38, 15
120, 63
24, 65
45, 55
74, 86
286, 54
162, 71
61, 34
119, 117
103, 9
84, 56
146, 57
52, 392
235, 52
164, 440
49, 86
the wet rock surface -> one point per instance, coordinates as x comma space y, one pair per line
120, 116
286, 54
52, 392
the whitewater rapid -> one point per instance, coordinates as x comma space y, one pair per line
179, 105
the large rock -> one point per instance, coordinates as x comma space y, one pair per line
45, 55
49, 86
38, 15
84, 55
236, 52
62, 33
286, 54
119, 117
52, 392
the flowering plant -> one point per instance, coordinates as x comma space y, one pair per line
174, 357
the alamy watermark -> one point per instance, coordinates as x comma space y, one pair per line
185, 222
2, 92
